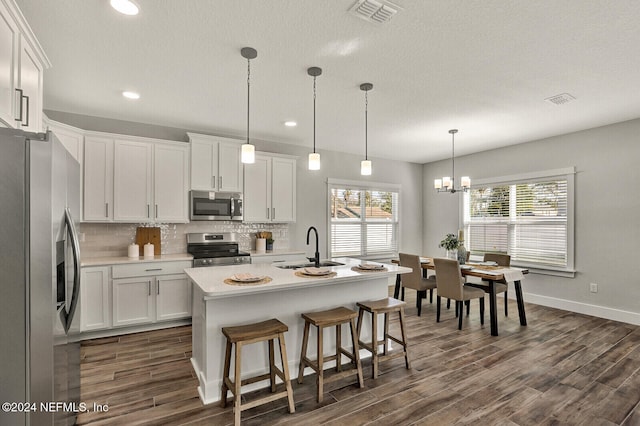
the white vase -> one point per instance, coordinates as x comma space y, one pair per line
452, 254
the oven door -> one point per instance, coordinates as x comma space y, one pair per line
206, 205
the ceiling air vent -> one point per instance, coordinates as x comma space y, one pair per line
560, 99
376, 11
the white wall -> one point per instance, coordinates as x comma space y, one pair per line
607, 206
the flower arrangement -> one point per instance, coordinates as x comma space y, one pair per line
450, 242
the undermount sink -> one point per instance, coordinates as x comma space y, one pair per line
311, 264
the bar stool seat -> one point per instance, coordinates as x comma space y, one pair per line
252, 333
383, 306
330, 318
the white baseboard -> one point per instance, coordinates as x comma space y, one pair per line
582, 308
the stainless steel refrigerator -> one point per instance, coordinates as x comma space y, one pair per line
39, 280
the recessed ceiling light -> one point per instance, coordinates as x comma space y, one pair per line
126, 7
290, 123
131, 95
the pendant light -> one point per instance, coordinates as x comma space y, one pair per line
447, 183
365, 165
248, 151
314, 157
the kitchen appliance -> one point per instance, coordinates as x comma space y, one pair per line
219, 249
40, 269
205, 205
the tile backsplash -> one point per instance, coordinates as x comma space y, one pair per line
112, 239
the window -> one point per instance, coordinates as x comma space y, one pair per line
529, 217
363, 219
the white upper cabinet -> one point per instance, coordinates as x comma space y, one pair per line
132, 181
22, 63
270, 189
129, 179
171, 182
98, 179
215, 163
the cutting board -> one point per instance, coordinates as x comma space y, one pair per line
146, 235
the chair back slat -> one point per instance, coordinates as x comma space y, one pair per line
448, 278
413, 279
500, 259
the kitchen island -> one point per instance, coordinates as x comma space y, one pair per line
285, 297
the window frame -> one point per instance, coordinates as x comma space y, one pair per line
365, 186
567, 173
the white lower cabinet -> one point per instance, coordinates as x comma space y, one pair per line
132, 301
145, 293
95, 306
173, 297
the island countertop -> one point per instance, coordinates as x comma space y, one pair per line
211, 280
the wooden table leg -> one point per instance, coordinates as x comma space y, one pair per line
396, 290
493, 308
520, 299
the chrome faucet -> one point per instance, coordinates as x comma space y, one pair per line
316, 259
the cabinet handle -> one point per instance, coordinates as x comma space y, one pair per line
213, 181
27, 114
21, 93
158, 287
267, 212
220, 181
149, 287
155, 269
148, 214
156, 211
106, 209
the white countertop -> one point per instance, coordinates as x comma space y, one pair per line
211, 280
105, 261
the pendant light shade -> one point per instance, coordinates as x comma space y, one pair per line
314, 157
365, 165
248, 152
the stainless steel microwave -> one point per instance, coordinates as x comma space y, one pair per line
207, 205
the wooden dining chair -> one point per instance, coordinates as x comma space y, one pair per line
500, 285
414, 280
451, 284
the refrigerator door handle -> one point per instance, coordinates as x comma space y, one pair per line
67, 317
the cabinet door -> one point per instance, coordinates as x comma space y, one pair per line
173, 297
257, 190
283, 191
31, 85
171, 183
9, 42
204, 165
98, 179
95, 312
133, 301
132, 181
229, 167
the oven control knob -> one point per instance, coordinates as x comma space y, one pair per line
209, 261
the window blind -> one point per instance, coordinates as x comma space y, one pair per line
363, 222
527, 220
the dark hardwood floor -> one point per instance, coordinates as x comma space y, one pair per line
563, 369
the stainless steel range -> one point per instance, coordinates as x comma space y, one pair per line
219, 249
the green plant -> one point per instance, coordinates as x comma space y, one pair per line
450, 242
270, 240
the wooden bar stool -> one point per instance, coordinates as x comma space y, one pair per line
383, 306
253, 333
330, 318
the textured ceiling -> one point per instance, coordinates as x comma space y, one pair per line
484, 67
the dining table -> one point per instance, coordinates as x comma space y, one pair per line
487, 272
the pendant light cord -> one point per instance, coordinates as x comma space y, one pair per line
314, 114
366, 123
453, 159
248, 94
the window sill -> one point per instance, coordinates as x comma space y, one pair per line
566, 273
